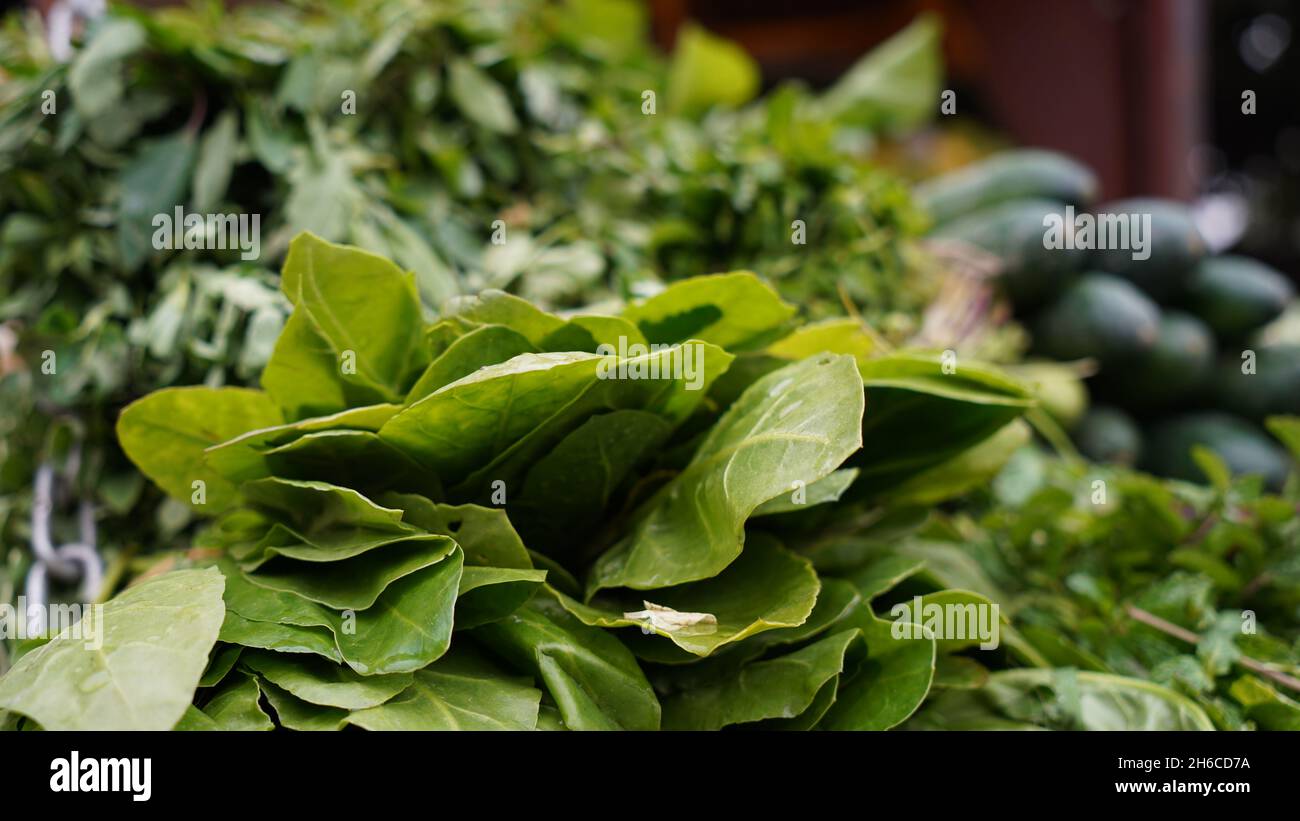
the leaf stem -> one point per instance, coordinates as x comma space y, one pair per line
1169, 628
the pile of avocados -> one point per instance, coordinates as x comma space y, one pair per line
1174, 331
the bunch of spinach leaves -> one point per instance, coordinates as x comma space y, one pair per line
408, 518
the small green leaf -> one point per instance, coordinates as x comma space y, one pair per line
481, 98
707, 70
216, 161
733, 311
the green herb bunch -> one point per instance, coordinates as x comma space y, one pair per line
688, 512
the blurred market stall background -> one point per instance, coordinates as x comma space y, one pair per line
1148, 94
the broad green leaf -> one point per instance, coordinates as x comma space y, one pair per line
500, 419
136, 667
889, 686
576, 481
234, 706
836, 600
166, 433
1063, 699
280, 637
493, 307
154, 182
1266, 706
244, 457
488, 594
972, 468
252, 602
194, 720
919, 416
587, 332
460, 691
295, 714
409, 626
670, 382
823, 491
796, 424
846, 335
812, 715
304, 374
466, 423
488, 345
958, 619
484, 533
707, 70
336, 520
959, 672
356, 458
884, 573
780, 687
221, 662
549, 719
318, 681
364, 307
544, 331
733, 311
896, 85
356, 582
767, 587
590, 675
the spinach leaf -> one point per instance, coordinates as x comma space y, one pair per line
776, 434
781, 687
135, 668
1063, 699
167, 432
767, 587
592, 678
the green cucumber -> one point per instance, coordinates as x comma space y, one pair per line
1242, 446
1236, 295
1010, 175
1108, 434
1273, 388
1030, 272
1177, 367
1099, 316
1170, 244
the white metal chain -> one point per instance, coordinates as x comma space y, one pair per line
75, 561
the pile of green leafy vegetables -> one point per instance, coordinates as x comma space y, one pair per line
491, 520
1108, 572
506, 146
